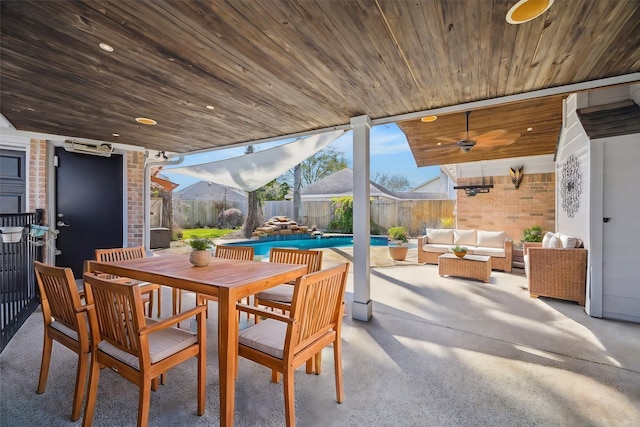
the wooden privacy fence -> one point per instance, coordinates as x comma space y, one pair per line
414, 215
202, 213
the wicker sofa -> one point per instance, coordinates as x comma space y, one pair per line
556, 268
495, 244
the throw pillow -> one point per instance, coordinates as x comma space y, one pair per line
546, 239
555, 242
568, 242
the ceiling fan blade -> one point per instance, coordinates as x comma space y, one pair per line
497, 138
446, 139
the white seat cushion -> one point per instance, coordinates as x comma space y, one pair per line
492, 252
162, 344
436, 248
267, 336
280, 293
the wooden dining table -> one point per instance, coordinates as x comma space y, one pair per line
228, 280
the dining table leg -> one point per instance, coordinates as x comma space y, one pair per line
227, 352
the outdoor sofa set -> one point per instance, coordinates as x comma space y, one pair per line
495, 244
555, 267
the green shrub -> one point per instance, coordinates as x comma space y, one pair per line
398, 233
230, 218
533, 234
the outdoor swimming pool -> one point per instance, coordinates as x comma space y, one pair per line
262, 247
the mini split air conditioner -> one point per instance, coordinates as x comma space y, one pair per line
104, 150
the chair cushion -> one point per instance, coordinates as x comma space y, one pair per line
65, 330
280, 293
440, 235
440, 249
491, 239
162, 344
267, 336
464, 237
492, 252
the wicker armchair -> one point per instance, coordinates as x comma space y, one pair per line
556, 272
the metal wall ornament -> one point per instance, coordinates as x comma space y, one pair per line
571, 186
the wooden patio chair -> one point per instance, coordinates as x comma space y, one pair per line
283, 343
137, 252
241, 253
279, 297
138, 348
65, 321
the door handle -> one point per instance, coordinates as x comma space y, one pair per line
61, 224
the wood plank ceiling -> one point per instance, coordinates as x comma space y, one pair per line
274, 68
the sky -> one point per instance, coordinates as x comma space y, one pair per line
389, 153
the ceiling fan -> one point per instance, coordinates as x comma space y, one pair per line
469, 140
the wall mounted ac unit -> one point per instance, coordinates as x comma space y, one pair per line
104, 150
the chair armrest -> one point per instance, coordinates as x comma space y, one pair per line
527, 245
421, 241
165, 323
262, 312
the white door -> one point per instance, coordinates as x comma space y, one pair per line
621, 229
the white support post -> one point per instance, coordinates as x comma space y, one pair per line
362, 308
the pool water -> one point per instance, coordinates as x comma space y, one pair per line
262, 247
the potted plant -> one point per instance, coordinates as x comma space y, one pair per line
459, 251
200, 256
533, 234
397, 243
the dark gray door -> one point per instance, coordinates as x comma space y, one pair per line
89, 206
13, 182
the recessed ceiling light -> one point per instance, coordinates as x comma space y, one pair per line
210, 107
146, 121
115, 134
439, 143
529, 129
526, 10
106, 47
429, 119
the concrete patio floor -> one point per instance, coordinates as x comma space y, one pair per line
437, 352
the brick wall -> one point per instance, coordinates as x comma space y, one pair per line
508, 209
135, 197
37, 169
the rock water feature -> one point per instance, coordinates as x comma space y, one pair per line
283, 226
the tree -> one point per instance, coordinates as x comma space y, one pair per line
318, 166
392, 182
254, 208
275, 190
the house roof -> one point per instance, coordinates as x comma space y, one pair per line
271, 69
204, 190
430, 180
341, 183
611, 120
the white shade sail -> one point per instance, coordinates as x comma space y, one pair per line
252, 171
